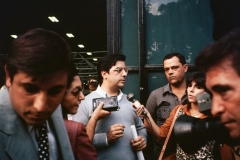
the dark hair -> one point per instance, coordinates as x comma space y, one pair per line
106, 63
199, 78
39, 53
181, 58
72, 74
93, 80
227, 47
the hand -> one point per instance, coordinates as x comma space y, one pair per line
115, 132
138, 144
99, 112
139, 111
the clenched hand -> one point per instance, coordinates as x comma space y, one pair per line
115, 132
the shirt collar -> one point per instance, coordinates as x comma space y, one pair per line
102, 93
167, 88
30, 127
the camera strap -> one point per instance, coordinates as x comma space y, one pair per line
169, 133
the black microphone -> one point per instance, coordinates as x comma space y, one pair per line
136, 103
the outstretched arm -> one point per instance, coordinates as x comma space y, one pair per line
160, 132
149, 122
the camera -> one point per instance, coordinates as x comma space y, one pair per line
110, 103
204, 102
192, 133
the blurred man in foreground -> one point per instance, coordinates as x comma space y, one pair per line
221, 62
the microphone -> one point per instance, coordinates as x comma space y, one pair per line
134, 133
136, 103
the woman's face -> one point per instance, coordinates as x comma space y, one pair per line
193, 90
73, 96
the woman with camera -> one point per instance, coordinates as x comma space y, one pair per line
79, 135
209, 150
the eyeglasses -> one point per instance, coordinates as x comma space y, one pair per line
120, 69
76, 91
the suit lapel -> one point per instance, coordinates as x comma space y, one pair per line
61, 134
20, 145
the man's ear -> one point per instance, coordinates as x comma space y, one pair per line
104, 74
185, 67
8, 79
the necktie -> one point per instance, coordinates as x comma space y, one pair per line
42, 140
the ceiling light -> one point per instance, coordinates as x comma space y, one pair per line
53, 19
89, 53
81, 46
95, 59
14, 36
70, 35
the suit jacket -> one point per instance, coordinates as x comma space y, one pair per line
81, 145
15, 140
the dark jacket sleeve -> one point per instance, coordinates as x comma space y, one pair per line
81, 145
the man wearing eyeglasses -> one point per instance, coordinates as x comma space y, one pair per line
113, 137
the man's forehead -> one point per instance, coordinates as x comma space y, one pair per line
174, 61
42, 77
173, 64
56, 78
220, 75
119, 63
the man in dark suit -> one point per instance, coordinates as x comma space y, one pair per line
36, 78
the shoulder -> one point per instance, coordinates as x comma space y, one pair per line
125, 100
87, 102
124, 97
7, 113
74, 130
72, 125
184, 108
91, 96
160, 90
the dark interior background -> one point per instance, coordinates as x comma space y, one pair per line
85, 19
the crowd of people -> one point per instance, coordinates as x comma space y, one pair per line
45, 115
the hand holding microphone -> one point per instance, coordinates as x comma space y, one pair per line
140, 109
